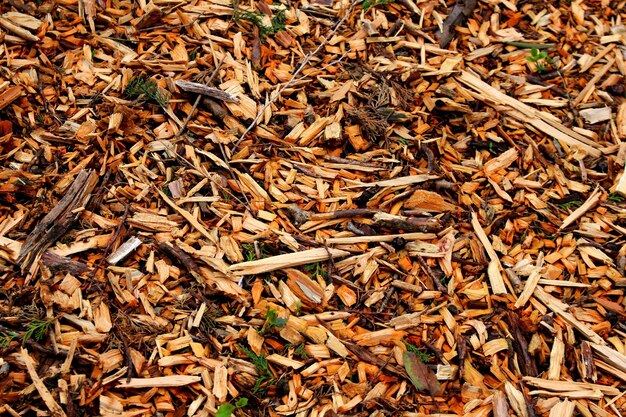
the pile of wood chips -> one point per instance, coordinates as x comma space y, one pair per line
323, 207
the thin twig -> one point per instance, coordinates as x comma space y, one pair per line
199, 97
431, 274
293, 77
570, 105
232, 174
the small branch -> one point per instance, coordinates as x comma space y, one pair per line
431, 275
199, 97
190, 265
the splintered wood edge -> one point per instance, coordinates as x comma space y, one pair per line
159, 382
381, 238
494, 271
396, 182
41, 388
528, 114
286, 261
580, 211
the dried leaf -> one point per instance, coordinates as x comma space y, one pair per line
420, 374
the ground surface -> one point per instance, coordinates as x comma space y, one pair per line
312, 208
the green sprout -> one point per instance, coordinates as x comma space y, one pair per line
571, 204
425, 357
298, 308
277, 23
6, 338
272, 321
262, 366
316, 269
368, 4
248, 252
37, 329
540, 59
300, 350
402, 140
615, 198
227, 409
142, 86
524, 235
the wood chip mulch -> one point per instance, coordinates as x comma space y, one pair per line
312, 208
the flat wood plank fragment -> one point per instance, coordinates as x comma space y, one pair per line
286, 261
397, 182
124, 250
206, 91
9, 95
494, 271
538, 119
584, 208
159, 382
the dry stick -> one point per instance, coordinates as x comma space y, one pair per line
293, 77
380, 369
128, 357
431, 274
390, 292
570, 105
239, 184
199, 97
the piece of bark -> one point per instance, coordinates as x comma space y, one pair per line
409, 4
589, 369
460, 12
187, 261
58, 220
500, 404
149, 18
21, 6
17, 30
61, 263
341, 214
526, 362
494, 270
218, 111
